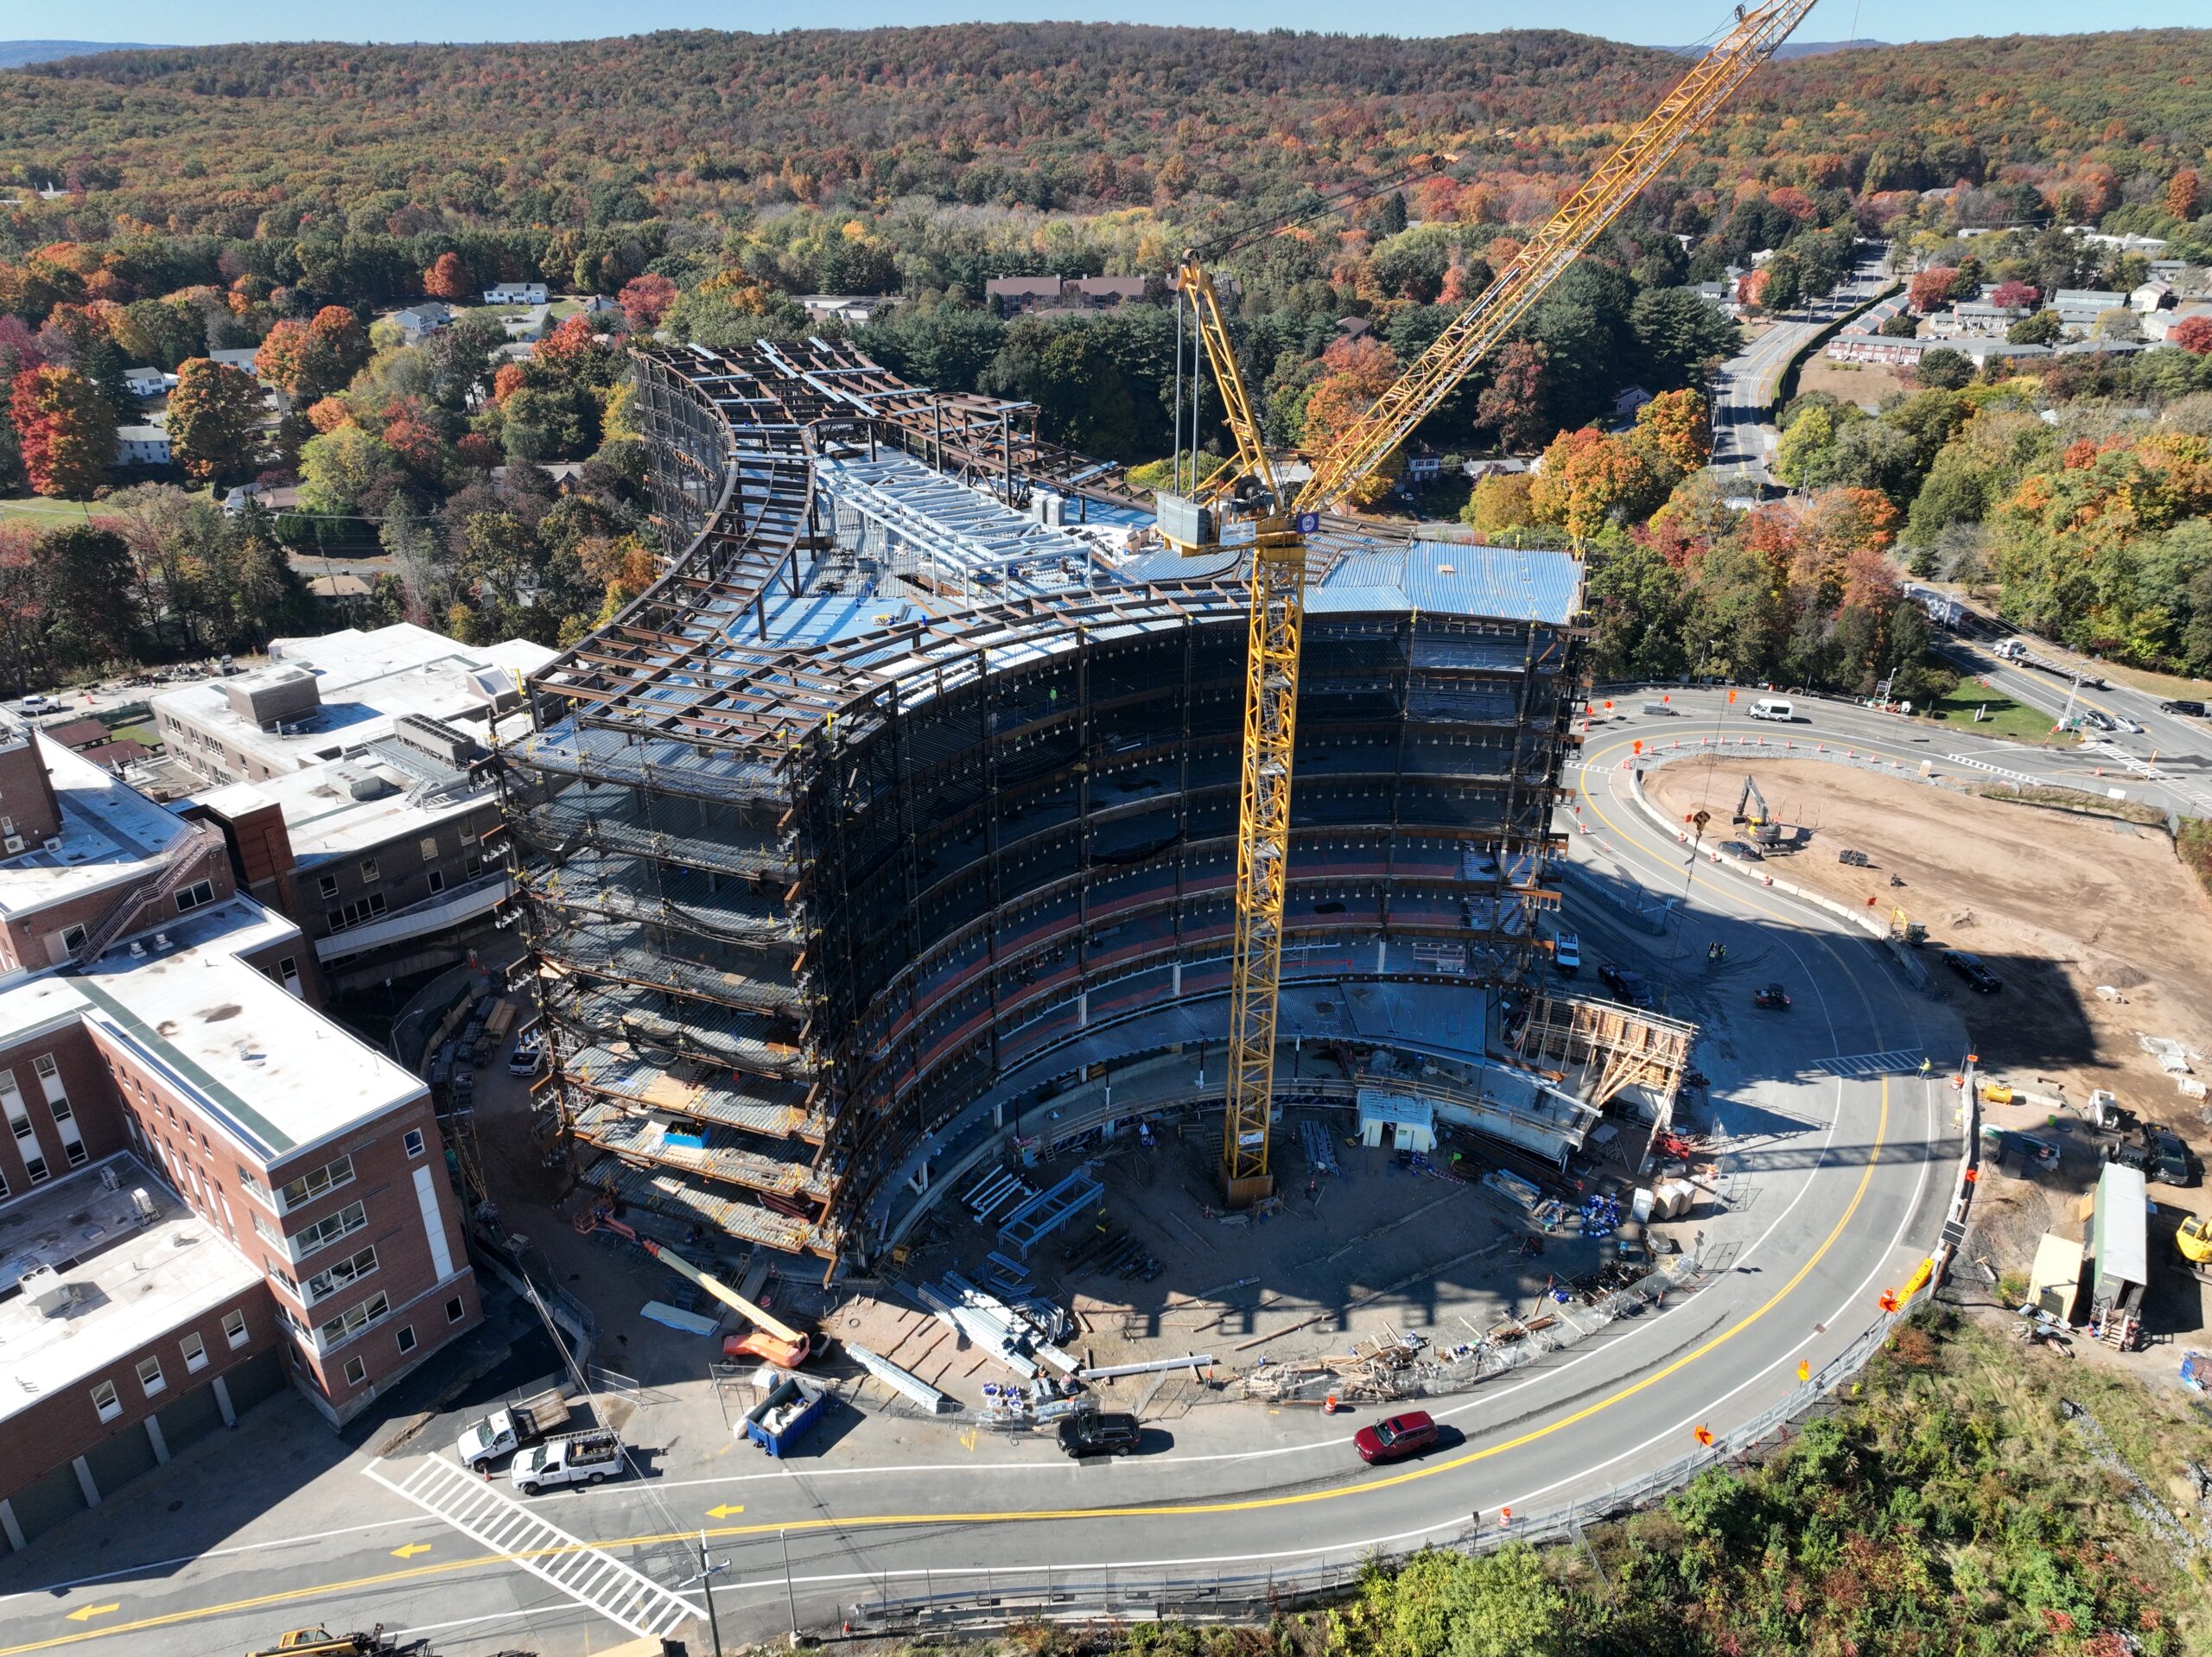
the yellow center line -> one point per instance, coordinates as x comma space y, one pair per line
888, 1521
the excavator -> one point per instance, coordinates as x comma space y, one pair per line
770, 1339
1246, 491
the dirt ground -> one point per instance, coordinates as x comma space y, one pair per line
1376, 1248
2098, 932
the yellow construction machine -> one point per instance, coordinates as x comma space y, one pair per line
321, 1642
1246, 491
2193, 1242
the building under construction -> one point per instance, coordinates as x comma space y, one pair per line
899, 817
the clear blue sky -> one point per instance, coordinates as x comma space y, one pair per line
1657, 22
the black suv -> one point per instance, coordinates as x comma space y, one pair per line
2170, 1159
2193, 709
1979, 978
1624, 985
1100, 1435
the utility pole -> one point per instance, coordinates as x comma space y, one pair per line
708, 1570
790, 1601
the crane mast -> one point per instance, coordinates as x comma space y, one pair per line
1278, 575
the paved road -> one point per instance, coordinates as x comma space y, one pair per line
1744, 391
1835, 1185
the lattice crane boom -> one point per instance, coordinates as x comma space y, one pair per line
1278, 611
1544, 258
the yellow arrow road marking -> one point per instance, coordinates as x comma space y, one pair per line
725, 1510
87, 1613
410, 1550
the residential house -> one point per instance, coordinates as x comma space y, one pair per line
2153, 296
2079, 308
855, 309
515, 293
2160, 326
1354, 327
1056, 295
144, 382
599, 305
240, 358
141, 446
1976, 317
418, 322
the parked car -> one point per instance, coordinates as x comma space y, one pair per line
1566, 954
1774, 997
1744, 850
1104, 1434
1979, 978
1624, 985
587, 1457
1396, 1439
528, 1053
36, 705
2169, 1158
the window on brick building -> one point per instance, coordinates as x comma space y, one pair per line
195, 1352
150, 1376
234, 1328
105, 1401
407, 1339
357, 1371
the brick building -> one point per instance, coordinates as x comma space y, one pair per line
207, 1188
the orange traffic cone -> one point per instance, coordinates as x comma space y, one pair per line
1329, 1405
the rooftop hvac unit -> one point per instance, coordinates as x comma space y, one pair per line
111, 1179
143, 1204
14, 843
54, 843
46, 1289
161, 940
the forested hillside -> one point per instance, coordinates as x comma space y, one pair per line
282, 204
225, 140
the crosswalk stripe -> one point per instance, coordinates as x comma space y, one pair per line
585, 1574
1855, 1064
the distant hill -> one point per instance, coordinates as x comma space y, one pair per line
14, 54
570, 136
1821, 48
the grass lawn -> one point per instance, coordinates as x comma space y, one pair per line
45, 514
2015, 721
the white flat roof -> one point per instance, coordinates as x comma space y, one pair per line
275, 1074
110, 834
134, 1282
366, 681
324, 821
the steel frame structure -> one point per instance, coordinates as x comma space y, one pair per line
803, 910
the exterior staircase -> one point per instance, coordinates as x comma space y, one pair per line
185, 859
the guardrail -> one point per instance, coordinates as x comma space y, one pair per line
992, 1597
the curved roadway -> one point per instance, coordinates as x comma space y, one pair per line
1835, 1181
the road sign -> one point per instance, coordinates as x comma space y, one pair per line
1702, 817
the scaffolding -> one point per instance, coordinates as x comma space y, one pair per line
1605, 1048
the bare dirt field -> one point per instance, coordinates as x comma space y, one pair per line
2057, 905
1864, 383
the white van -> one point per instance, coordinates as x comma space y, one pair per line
1774, 707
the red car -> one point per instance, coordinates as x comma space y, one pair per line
1396, 1439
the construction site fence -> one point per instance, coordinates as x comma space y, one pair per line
987, 1597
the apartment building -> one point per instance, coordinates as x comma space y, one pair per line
207, 1188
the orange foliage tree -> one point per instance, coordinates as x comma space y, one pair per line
65, 429
1354, 374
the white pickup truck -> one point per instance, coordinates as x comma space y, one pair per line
576, 1458
1566, 954
510, 1429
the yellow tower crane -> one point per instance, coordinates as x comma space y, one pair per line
1247, 488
